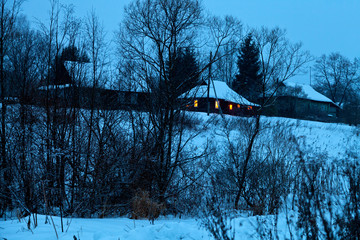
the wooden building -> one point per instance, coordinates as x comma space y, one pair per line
302, 101
80, 91
218, 98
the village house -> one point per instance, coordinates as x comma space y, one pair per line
218, 98
302, 101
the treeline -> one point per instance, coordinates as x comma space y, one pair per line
95, 162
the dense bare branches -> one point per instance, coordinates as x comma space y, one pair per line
69, 156
336, 75
8, 15
280, 58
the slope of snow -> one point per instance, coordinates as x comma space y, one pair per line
333, 139
330, 138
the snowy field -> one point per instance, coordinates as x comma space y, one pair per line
101, 229
124, 228
330, 138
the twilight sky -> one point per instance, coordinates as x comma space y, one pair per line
323, 26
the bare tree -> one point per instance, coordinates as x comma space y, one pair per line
55, 131
9, 12
95, 79
336, 75
151, 34
225, 68
255, 168
280, 59
24, 80
225, 35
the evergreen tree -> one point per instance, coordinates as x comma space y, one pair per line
183, 74
72, 53
248, 81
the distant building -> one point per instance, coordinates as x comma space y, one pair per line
302, 101
75, 87
222, 99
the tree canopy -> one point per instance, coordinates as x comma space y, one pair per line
183, 75
248, 81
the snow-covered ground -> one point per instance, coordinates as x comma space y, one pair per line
125, 228
333, 139
330, 138
101, 229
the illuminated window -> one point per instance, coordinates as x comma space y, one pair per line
196, 103
249, 107
230, 106
217, 104
238, 105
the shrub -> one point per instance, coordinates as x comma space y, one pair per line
145, 207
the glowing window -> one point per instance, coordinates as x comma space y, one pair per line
217, 104
249, 107
230, 106
238, 105
196, 103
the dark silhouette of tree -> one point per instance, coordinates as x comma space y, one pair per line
183, 75
165, 27
335, 76
8, 15
280, 60
248, 81
72, 53
151, 36
69, 53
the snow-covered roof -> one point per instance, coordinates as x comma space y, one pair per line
218, 90
307, 92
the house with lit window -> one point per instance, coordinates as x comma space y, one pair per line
74, 88
218, 98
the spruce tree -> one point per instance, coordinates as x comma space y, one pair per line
183, 74
248, 82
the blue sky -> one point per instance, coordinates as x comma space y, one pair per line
323, 26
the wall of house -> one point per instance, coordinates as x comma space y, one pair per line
224, 107
288, 106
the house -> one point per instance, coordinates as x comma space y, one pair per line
302, 101
73, 86
79, 90
219, 98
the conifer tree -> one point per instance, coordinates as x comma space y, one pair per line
248, 82
183, 73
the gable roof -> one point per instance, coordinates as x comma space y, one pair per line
306, 92
218, 90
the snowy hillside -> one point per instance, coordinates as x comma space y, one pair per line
333, 140
330, 138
